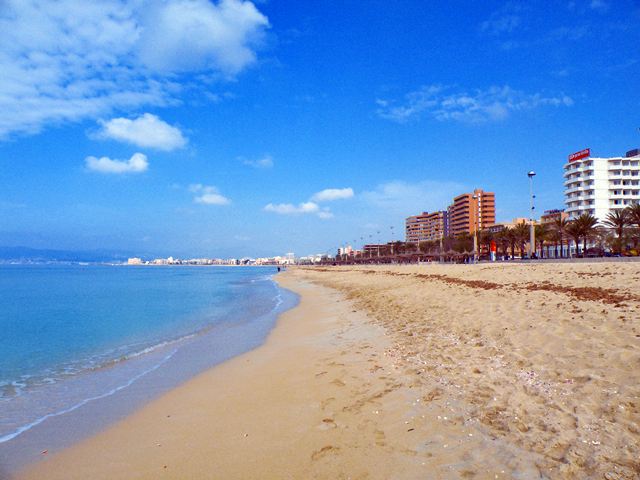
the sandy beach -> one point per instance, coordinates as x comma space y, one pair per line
486, 371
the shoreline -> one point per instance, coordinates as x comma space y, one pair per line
406, 372
75, 408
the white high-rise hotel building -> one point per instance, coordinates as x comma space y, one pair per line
599, 185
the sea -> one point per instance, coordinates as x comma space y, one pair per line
82, 346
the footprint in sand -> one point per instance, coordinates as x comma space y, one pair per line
327, 423
325, 403
321, 373
324, 451
338, 382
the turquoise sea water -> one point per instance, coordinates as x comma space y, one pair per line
71, 337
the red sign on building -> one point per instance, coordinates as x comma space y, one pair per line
581, 154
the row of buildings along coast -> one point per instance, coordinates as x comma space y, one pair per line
592, 184
467, 213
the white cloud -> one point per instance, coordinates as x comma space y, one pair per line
145, 131
208, 195
74, 59
326, 195
504, 20
187, 35
331, 194
291, 209
263, 163
477, 106
136, 164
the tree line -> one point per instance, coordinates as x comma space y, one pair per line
619, 232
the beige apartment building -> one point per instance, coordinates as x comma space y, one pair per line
426, 227
471, 212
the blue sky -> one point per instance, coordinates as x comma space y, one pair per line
198, 128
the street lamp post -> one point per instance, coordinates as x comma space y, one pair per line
532, 231
391, 240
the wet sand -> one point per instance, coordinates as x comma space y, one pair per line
488, 371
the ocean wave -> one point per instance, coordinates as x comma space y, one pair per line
15, 388
38, 421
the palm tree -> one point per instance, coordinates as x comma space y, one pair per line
634, 219
463, 243
617, 220
485, 237
560, 226
521, 232
542, 234
573, 231
511, 237
554, 237
633, 211
588, 225
502, 239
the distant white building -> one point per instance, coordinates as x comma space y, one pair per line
598, 186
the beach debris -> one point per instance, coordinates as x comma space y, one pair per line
44, 452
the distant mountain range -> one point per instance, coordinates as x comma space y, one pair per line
35, 255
